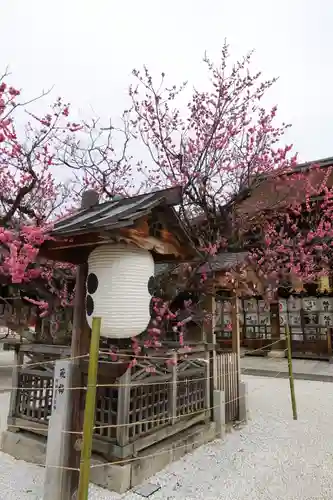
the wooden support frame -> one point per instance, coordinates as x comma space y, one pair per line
235, 326
236, 341
209, 337
80, 347
18, 361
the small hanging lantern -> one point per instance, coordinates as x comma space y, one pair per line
324, 284
297, 285
117, 289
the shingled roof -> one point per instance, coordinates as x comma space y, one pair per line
131, 219
223, 261
268, 192
116, 214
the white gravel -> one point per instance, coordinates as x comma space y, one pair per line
272, 458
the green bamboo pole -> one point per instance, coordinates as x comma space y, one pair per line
291, 374
89, 411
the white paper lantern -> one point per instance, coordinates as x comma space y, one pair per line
250, 305
295, 318
227, 306
325, 304
264, 319
282, 305
227, 322
310, 304
326, 319
251, 319
283, 319
117, 289
294, 304
263, 306
295, 324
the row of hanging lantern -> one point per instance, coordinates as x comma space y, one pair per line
323, 285
118, 291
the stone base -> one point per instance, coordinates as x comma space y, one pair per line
120, 478
276, 354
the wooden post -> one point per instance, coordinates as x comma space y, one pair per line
329, 344
56, 486
291, 375
18, 361
209, 396
213, 326
80, 346
124, 393
236, 332
209, 337
236, 345
173, 390
89, 412
208, 330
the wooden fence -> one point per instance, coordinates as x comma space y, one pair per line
158, 397
228, 381
155, 399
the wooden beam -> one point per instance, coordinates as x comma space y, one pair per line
18, 361
208, 327
123, 409
79, 347
236, 334
329, 342
58, 350
235, 325
209, 336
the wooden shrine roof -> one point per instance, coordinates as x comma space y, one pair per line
116, 214
75, 235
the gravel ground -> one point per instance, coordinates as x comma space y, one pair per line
272, 458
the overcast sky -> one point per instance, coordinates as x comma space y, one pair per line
87, 49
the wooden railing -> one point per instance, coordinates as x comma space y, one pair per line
159, 396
